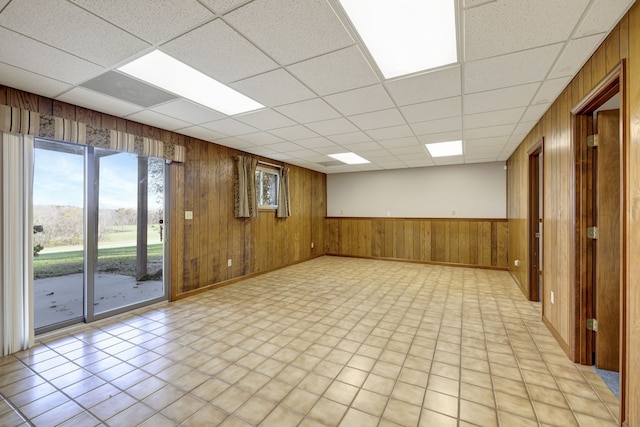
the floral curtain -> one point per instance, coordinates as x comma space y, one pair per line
246, 202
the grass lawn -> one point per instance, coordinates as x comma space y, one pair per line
113, 260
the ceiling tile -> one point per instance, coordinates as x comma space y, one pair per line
489, 132
229, 127
261, 138
375, 154
335, 72
315, 143
524, 127
433, 110
520, 25
499, 99
425, 87
468, 4
158, 120
234, 142
390, 132
363, 100
362, 146
31, 82
312, 110
89, 99
45, 60
441, 137
188, 111
291, 31
550, 89
265, 119
444, 161
304, 154
329, 149
85, 35
274, 88
332, 127
285, 147
146, 19
125, 88
220, 52
398, 151
493, 118
534, 112
221, 6
437, 126
202, 133
602, 16
378, 119
575, 55
260, 151
400, 142
510, 70
293, 133
350, 138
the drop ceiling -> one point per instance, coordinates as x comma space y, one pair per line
303, 61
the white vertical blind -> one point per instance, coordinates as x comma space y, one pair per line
16, 235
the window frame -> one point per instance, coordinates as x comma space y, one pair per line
260, 170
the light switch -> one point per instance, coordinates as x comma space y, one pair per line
188, 214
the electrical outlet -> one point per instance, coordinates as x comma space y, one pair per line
311, 245
553, 300
229, 262
516, 263
188, 214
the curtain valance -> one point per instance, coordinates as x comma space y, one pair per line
15, 120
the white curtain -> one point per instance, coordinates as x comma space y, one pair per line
16, 250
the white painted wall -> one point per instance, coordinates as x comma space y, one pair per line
464, 191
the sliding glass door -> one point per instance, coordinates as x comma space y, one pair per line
101, 233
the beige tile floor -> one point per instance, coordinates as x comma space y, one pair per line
332, 341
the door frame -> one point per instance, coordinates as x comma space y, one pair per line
535, 209
583, 210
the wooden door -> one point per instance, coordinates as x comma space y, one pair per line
608, 249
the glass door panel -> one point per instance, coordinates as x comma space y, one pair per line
129, 256
58, 239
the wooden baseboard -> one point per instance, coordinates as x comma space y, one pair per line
412, 261
556, 335
236, 279
522, 289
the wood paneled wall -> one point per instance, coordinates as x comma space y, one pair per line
204, 185
470, 242
559, 198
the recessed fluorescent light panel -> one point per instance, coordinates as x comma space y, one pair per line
349, 158
445, 149
168, 73
406, 36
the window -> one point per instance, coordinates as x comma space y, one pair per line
267, 187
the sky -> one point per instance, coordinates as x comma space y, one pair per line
58, 179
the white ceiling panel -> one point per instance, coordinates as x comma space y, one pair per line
489, 132
220, 52
230, 127
575, 55
291, 31
26, 80
265, 119
362, 100
550, 89
312, 110
390, 132
504, 27
221, 6
350, 138
378, 119
84, 34
235, 142
188, 111
601, 17
261, 151
433, 110
441, 137
202, 133
285, 147
425, 87
400, 142
274, 88
437, 126
510, 70
363, 146
332, 127
294, 132
499, 99
315, 143
524, 127
261, 138
31, 55
534, 112
161, 121
161, 22
335, 72
493, 118
89, 99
